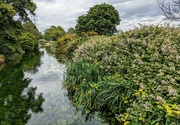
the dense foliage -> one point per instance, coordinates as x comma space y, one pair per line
70, 42
53, 33
102, 19
9, 8
135, 75
66, 44
71, 30
14, 40
31, 28
12, 34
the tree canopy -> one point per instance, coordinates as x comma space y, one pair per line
9, 8
101, 18
53, 33
31, 28
71, 30
14, 39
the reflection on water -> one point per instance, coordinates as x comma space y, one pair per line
15, 103
31, 93
57, 108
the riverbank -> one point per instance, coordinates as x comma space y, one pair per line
134, 75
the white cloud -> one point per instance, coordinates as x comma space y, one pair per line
64, 13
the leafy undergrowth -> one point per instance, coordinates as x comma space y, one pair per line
135, 75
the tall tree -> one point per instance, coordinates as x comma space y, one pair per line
170, 9
101, 18
13, 37
18, 7
71, 30
53, 33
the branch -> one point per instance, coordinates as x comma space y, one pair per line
170, 9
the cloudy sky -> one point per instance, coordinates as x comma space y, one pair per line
64, 13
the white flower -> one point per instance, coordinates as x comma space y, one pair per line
172, 91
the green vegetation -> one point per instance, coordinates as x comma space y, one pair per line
31, 28
14, 39
18, 99
66, 45
135, 75
71, 30
8, 9
53, 33
102, 19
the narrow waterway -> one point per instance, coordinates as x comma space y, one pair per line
31, 93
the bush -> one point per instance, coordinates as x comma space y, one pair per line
138, 75
87, 34
28, 42
69, 43
66, 44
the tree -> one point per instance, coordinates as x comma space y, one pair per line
170, 9
53, 33
11, 30
10, 8
102, 19
71, 30
31, 28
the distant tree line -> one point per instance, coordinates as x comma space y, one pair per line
101, 19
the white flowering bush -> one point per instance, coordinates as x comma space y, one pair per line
138, 75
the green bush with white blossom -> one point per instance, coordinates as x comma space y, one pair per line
135, 75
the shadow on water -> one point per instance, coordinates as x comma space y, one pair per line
16, 98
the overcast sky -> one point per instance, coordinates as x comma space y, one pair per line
64, 13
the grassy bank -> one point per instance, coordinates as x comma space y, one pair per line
135, 75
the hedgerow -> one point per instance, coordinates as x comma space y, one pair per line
135, 74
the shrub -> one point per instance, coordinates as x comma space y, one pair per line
87, 34
69, 43
66, 44
138, 75
28, 42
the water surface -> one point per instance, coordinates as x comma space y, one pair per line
31, 93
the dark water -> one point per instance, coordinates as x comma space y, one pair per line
31, 93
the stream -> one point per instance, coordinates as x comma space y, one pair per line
31, 93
